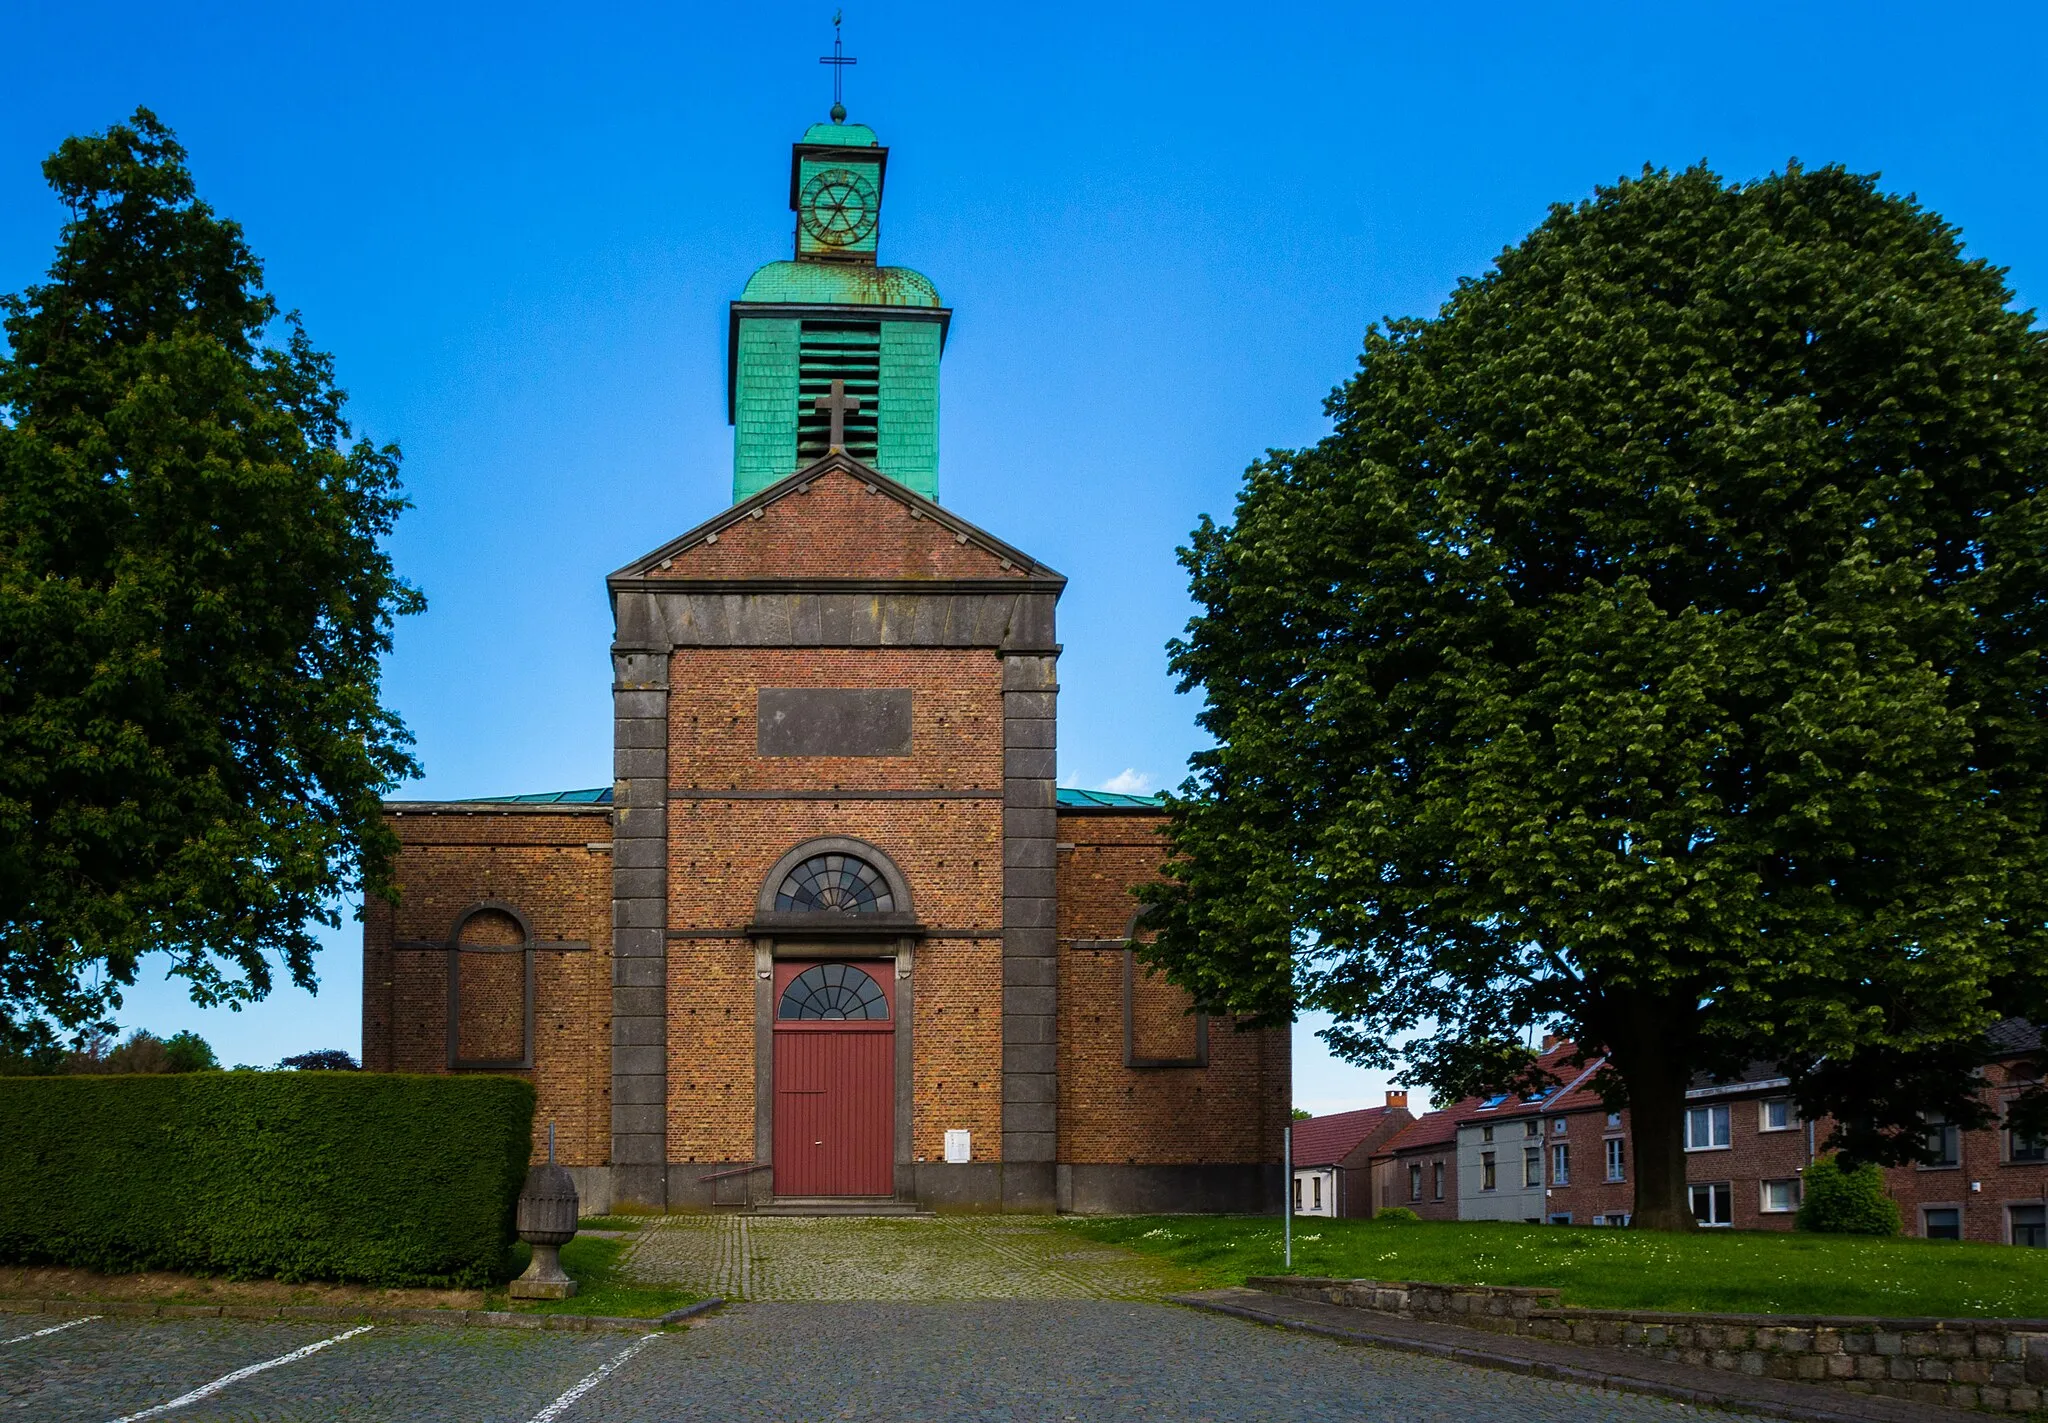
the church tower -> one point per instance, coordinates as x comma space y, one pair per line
832, 937
831, 313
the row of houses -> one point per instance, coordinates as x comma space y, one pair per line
1562, 1158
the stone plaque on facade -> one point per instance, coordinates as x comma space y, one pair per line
834, 721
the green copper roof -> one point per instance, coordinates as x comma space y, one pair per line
1084, 800
841, 135
841, 284
602, 795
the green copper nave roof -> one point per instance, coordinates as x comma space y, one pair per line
840, 284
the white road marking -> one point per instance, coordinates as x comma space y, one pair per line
206, 1390
53, 1329
561, 1405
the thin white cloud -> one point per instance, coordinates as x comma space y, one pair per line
1127, 782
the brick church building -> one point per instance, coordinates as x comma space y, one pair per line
832, 931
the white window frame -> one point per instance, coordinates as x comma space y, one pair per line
1716, 1117
1560, 1163
1436, 1180
1793, 1196
1763, 1114
1617, 1158
1557, 1125
1415, 1180
1532, 1167
1718, 1193
1489, 1172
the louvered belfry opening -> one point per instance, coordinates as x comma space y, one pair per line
837, 350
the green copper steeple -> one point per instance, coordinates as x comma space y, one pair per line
833, 314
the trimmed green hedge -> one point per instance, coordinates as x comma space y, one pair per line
365, 1177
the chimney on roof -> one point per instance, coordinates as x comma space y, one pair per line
1397, 1099
1551, 1040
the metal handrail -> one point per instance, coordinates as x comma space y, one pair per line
736, 1171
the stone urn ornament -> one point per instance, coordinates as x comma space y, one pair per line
547, 1221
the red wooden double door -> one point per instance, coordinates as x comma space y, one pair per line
835, 1078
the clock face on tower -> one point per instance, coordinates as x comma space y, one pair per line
839, 207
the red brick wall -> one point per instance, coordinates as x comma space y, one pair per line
1229, 1112
1394, 1186
837, 530
710, 1050
949, 850
541, 862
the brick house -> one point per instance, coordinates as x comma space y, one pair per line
832, 931
1745, 1150
1332, 1157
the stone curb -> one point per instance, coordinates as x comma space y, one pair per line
451, 1318
1855, 1408
1675, 1316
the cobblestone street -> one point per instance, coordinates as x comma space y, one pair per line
1021, 1360
879, 1258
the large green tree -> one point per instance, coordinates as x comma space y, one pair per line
1654, 651
194, 599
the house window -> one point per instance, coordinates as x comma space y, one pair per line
1437, 1181
1557, 1126
1944, 1142
1316, 1191
1616, 1218
1486, 1171
1532, 1128
1486, 1133
1297, 1193
1776, 1114
1941, 1223
2024, 1148
1617, 1159
1614, 1121
1561, 1218
1532, 1166
1415, 1182
1706, 1128
1713, 1203
2029, 1225
1560, 1164
1780, 1197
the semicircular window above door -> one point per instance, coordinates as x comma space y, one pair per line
845, 883
833, 990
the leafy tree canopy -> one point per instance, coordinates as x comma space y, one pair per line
193, 602
1653, 651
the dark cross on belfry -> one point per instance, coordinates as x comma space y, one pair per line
840, 405
838, 61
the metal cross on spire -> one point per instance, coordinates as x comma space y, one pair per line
838, 61
839, 405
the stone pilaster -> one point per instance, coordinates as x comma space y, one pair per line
1030, 946
639, 925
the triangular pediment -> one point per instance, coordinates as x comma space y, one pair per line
836, 518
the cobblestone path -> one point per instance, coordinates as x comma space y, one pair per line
880, 1258
1018, 1361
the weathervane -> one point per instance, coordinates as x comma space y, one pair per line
838, 61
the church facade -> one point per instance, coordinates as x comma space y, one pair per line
833, 932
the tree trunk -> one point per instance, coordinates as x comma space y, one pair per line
1651, 1058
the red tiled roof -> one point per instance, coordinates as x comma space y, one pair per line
1441, 1128
1325, 1141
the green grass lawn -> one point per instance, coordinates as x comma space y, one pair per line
1746, 1272
600, 1288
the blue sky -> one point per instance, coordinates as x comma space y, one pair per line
1163, 230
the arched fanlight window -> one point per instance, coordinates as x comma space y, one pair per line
832, 990
845, 883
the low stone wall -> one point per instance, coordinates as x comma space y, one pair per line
1984, 1363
